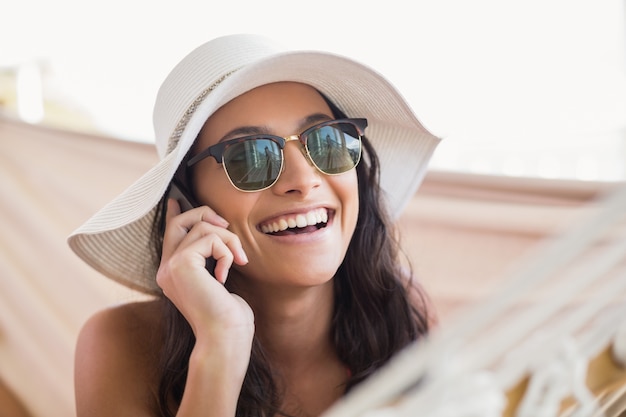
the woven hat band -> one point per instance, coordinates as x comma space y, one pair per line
202, 70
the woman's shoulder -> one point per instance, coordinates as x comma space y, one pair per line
129, 330
124, 324
117, 354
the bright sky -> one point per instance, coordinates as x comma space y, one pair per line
533, 87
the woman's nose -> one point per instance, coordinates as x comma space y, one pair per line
299, 175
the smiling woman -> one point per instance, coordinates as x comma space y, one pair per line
275, 267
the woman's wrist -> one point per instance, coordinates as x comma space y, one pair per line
225, 355
217, 371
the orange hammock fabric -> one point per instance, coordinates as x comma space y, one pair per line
461, 232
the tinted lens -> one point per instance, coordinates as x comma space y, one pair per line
335, 148
253, 164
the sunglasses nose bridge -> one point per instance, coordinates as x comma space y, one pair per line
302, 148
291, 137
298, 138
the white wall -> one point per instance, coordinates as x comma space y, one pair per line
535, 87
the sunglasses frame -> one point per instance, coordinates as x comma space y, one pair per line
217, 150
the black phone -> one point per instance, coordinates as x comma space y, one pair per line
179, 193
186, 202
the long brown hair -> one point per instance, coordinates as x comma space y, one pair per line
371, 286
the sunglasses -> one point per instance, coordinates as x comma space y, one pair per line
254, 163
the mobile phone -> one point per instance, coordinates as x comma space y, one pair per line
179, 193
186, 202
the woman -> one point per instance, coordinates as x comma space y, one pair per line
277, 279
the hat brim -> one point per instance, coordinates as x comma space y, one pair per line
404, 147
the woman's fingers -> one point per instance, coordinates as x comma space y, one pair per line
193, 216
193, 237
190, 238
212, 245
173, 209
210, 240
183, 229
210, 216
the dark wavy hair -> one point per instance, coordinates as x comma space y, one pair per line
378, 310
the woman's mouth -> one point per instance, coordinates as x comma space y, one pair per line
296, 223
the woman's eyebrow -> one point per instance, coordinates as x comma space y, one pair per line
258, 130
314, 119
243, 131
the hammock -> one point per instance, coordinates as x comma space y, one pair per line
551, 342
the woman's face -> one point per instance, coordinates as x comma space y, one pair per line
299, 257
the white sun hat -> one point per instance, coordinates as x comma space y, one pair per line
117, 240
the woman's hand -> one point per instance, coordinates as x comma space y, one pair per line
213, 313
223, 323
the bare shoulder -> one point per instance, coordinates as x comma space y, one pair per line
138, 319
116, 360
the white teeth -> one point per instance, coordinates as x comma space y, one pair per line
311, 218
301, 221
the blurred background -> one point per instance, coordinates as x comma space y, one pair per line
529, 96
523, 88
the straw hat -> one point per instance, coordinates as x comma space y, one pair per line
116, 241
